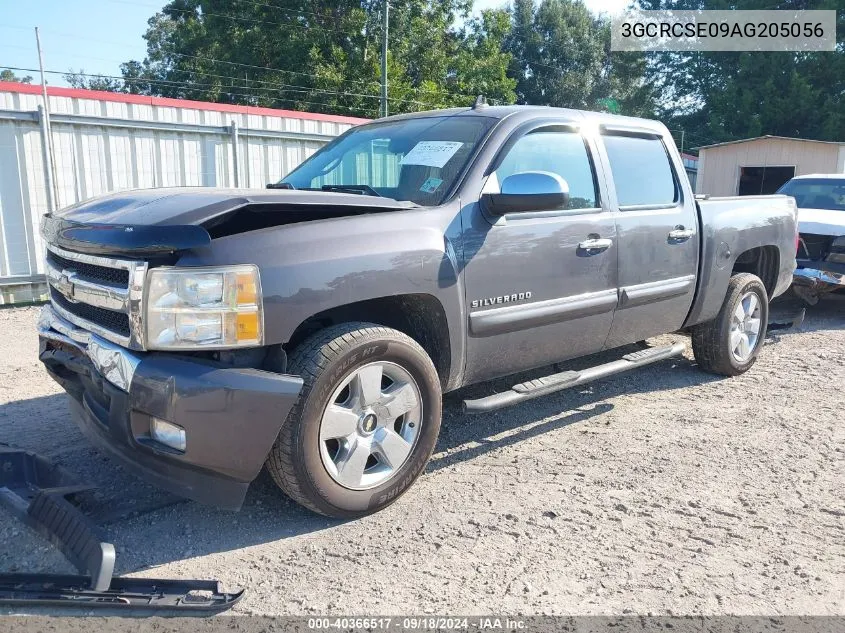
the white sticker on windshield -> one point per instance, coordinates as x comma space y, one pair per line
431, 153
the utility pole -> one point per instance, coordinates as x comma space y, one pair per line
385, 14
47, 134
236, 166
246, 130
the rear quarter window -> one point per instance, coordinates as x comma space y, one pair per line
641, 170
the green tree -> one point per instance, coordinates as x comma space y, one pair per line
8, 75
322, 56
561, 57
718, 96
81, 79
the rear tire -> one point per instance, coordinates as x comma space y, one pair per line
364, 425
729, 344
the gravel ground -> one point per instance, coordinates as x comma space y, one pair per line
666, 491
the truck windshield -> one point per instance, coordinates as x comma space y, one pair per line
817, 193
413, 159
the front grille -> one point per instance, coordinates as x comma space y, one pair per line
98, 294
91, 272
117, 322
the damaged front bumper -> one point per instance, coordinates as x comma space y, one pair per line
230, 416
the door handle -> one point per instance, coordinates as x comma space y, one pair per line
595, 244
680, 234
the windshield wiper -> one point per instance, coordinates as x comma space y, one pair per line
359, 189
280, 185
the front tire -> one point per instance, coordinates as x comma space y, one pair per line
729, 344
364, 425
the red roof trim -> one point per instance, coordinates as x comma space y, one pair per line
118, 97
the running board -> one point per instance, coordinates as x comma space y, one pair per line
179, 597
567, 379
34, 490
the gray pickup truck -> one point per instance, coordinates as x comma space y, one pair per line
312, 326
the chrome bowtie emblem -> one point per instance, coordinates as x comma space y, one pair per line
368, 424
64, 285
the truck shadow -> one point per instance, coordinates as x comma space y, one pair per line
150, 528
826, 315
466, 437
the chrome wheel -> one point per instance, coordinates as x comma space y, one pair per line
370, 425
745, 327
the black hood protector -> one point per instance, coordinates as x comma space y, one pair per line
158, 222
122, 239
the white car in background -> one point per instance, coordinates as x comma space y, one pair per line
821, 224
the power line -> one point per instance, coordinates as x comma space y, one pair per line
284, 9
446, 93
303, 74
276, 86
75, 36
230, 91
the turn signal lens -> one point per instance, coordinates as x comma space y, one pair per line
247, 290
248, 326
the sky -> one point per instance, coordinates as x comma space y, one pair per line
98, 35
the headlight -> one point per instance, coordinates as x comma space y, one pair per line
215, 307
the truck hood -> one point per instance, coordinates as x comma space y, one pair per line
821, 222
160, 221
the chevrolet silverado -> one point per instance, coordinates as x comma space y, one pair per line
311, 327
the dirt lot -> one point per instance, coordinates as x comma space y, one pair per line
666, 491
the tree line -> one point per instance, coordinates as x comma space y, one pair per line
325, 57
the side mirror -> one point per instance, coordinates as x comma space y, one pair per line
528, 191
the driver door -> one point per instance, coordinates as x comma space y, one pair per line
536, 292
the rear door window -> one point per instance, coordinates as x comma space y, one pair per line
641, 170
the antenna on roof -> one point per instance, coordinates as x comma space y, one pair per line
480, 102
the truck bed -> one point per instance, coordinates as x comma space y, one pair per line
737, 236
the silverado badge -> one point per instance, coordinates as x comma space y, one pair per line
489, 301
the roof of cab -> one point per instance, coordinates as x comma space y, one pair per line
528, 111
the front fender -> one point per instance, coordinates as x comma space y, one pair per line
312, 267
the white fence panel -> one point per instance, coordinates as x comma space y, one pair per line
104, 143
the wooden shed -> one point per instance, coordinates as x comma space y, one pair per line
761, 165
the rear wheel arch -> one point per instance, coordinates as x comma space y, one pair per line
420, 316
762, 261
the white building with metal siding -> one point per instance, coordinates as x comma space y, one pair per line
104, 142
761, 165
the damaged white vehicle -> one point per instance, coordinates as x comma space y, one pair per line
821, 223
